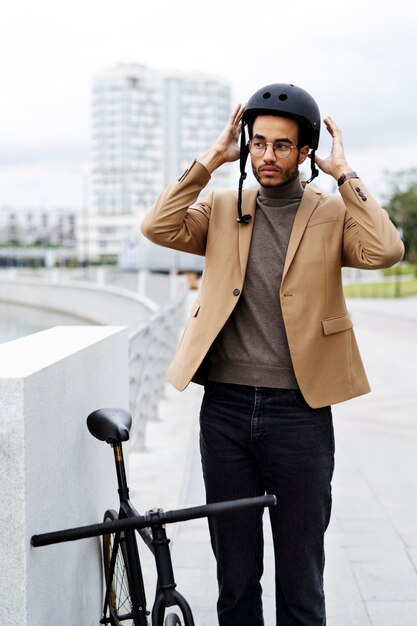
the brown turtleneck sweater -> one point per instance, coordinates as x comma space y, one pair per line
252, 347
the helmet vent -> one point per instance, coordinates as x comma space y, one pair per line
283, 97
266, 95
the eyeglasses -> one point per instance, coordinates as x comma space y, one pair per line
282, 150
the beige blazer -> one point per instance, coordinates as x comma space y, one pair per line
329, 231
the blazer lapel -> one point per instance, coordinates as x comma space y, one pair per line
245, 230
308, 203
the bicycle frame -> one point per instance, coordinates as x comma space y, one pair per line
112, 425
126, 511
158, 543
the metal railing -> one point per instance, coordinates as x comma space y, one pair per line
151, 348
152, 342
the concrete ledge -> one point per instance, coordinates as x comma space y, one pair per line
93, 303
54, 474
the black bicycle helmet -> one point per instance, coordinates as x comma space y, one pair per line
288, 101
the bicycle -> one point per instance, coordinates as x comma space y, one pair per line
124, 597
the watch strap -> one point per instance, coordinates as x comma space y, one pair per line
344, 177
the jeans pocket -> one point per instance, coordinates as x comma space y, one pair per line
299, 400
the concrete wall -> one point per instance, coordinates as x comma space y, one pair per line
153, 329
97, 304
54, 474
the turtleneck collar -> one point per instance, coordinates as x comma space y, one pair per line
291, 190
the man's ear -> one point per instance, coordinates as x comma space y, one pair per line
303, 153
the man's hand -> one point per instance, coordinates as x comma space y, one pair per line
335, 164
226, 148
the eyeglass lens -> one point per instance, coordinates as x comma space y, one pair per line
257, 148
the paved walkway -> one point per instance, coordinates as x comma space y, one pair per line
371, 576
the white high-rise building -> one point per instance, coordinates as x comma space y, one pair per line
147, 127
126, 141
196, 109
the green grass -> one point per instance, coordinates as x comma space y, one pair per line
383, 289
402, 268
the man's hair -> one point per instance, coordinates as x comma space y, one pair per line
304, 133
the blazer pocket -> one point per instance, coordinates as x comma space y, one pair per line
337, 324
323, 220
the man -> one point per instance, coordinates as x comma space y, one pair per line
271, 339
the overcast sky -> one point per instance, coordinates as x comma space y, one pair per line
358, 59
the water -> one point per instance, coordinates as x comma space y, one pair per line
17, 321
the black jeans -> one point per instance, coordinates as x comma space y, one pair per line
255, 440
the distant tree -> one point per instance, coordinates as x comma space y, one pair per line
401, 204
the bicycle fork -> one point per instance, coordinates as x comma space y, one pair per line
166, 593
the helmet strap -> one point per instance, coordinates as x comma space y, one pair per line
244, 151
314, 170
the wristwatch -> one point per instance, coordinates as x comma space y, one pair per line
345, 177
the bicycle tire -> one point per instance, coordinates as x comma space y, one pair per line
120, 600
172, 619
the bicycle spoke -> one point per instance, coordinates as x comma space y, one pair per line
120, 600
120, 587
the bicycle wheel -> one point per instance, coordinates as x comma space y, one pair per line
172, 619
120, 600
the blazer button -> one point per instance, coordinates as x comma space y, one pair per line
361, 194
236, 292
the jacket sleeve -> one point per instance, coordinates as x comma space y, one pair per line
172, 221
370, 239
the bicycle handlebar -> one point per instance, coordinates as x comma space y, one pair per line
216, 508
154, 517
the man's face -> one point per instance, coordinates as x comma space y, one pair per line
269, 170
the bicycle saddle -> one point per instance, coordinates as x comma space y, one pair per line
110, 425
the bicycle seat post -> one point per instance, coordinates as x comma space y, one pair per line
120, 471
